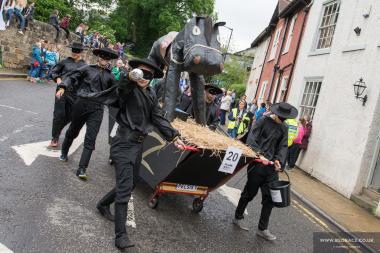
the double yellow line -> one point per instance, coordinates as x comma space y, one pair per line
314, 219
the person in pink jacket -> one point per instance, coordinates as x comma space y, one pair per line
295, 148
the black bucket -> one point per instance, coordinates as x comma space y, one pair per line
280, 192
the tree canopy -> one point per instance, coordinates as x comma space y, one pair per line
144, 21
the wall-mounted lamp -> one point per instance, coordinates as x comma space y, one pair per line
357, 30
359, 87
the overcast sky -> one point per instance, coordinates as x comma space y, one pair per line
247, 18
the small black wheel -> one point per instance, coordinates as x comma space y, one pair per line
197, 205
153, 203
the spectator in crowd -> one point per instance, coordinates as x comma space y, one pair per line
117, 69
225, 107
95, 40
2, 23
238, 120
8, 4
65, 26
233, 96
50, 60
28, 14
54, 21
267, 109
243, 98
36, 63
80, 32
260, 111
17, 9
252, 107
295, 148
185, 100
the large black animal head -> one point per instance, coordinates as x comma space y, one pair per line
201, 51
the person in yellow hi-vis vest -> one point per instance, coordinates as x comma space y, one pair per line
238, 120
292, 130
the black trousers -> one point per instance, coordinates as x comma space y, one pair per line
258, 177
63, 109
67, 32
127, 155
91, 114
293, 153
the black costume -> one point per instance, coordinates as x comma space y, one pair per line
270, 139
63, 107
90, 81
138, 112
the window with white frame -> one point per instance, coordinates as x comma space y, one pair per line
283, 87
310, 97
330, 13
262, 91
276, 40
290, 35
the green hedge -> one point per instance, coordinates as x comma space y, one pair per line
239, 89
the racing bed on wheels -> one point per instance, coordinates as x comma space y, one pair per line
197, 170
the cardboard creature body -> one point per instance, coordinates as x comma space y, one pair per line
195, 49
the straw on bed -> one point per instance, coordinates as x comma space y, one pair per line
202, 137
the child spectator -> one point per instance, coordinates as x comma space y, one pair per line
50, 60
36, 63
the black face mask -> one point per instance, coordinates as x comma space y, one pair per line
76, 50
147, 75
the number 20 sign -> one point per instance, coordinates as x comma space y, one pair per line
231, 160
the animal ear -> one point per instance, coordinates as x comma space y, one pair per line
221, 23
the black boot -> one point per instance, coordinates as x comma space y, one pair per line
85, 158
103, 205
65, 148
121, 241
81, 173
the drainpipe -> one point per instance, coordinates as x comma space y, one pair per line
261, 72
306, 10
278, 80
276, 66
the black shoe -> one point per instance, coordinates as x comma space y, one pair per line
81, 173
123, 242
105, 211
63, 158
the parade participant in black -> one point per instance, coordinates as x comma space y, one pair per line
269, 138
138, 111
63, 107
88, 80
211, 91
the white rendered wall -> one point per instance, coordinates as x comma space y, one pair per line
257, 66
344, 132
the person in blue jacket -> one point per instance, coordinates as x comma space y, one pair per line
36, 63
260, 112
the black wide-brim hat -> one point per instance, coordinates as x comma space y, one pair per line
284, 110
105, 53
137, 62
77, 45
213, 89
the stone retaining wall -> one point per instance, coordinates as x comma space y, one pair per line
16, 49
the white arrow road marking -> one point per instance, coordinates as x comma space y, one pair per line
232, 194
131, 214
17, 109
4, 249
29, 152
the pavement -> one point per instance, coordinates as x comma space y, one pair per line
344, 211
45, 208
